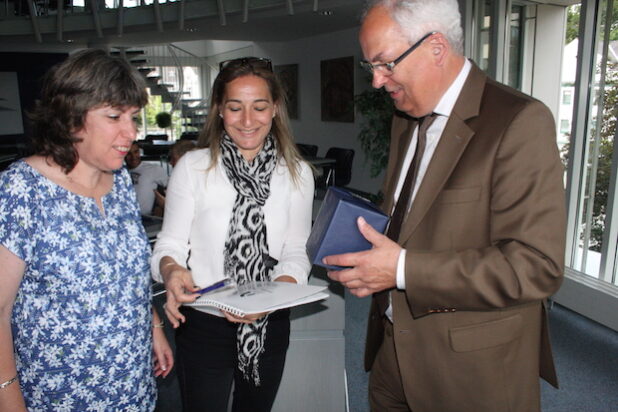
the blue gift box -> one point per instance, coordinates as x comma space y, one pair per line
335, 230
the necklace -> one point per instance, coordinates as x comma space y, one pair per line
95, 192
83, 189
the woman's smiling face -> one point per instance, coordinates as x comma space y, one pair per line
106, 136
248, 110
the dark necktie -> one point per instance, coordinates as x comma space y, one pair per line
405, 195
403, 202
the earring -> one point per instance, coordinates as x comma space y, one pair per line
220, 115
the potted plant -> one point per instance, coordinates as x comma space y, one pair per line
164, 120
376, 108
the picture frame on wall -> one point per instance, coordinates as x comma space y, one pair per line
337, 89
288, 76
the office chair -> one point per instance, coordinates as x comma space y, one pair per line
343, 165
189, 135
307, 150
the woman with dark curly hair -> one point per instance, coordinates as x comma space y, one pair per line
76, 325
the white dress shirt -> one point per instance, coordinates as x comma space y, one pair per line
198, 209
443, 110
146, 177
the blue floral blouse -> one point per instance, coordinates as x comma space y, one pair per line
81, 320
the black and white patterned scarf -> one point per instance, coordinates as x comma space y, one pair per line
245, 245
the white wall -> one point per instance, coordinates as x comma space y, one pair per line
309, 128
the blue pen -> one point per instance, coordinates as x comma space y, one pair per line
215, 286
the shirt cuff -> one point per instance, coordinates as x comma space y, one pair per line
401, 270
291, 269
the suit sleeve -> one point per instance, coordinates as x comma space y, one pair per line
523, 260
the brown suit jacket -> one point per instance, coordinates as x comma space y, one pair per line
485, 239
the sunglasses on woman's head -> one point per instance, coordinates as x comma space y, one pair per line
256, 62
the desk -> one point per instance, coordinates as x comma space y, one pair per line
6, 160
8, 157
314, 377
320, 161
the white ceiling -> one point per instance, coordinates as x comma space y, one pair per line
269, 22
266, 25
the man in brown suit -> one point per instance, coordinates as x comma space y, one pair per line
457, 320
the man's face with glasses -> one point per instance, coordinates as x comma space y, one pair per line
404, 70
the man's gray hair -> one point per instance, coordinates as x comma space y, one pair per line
419, 17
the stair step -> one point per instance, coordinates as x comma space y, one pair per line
196, 107
128, 53
145, 70
194, 115
137, 62
194, 110
197, 125
158, 88
176, 94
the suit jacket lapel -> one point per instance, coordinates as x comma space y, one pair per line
453, 142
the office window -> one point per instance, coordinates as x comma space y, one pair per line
485, 34
567, 97
594, 243
516, 46
114, 4
565, 126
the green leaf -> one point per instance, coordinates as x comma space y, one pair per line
376, 108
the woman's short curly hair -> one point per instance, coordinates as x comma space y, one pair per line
85, 80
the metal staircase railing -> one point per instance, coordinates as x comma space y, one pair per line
163, 68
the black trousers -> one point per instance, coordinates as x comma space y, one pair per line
206, 358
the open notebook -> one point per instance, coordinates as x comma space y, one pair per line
258, 297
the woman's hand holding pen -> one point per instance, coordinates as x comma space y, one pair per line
180, 289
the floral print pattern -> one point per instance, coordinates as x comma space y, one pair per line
82, 315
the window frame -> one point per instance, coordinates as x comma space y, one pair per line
594, 298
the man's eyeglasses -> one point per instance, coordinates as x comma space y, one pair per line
257, 62
387, 68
